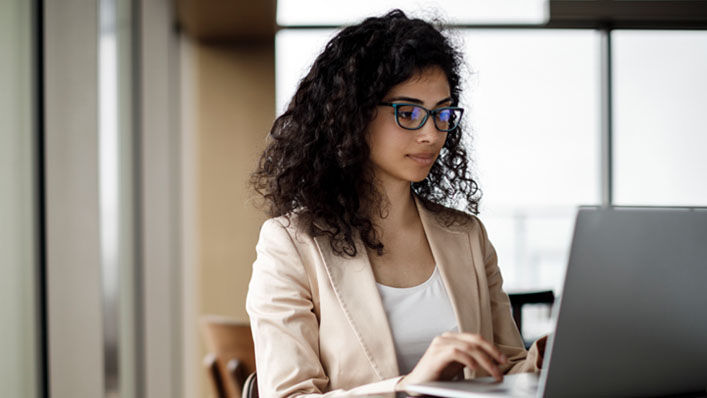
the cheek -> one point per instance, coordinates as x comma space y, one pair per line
386, 145
443, 140
383, 139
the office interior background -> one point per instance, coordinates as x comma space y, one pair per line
128, 129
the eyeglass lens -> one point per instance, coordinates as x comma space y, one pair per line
412, 117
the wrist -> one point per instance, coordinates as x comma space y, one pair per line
401, 383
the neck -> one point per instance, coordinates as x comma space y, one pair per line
399, 210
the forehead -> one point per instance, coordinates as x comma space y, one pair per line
429, 84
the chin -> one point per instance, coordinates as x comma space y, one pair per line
411, 175
418, 177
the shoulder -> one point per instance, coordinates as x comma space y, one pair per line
291, 222
282, 248
290, 228
454, 219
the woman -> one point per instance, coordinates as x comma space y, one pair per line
364, 281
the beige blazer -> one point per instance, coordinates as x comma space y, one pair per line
318, 321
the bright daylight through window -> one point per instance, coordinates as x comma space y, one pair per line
533, 102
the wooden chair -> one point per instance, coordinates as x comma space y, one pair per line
250, 388
231, 356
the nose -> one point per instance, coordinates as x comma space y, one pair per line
428, 133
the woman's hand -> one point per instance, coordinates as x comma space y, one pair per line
450, 352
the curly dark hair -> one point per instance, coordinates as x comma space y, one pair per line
315, 162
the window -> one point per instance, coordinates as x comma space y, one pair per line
534, 108
534, 104
660, 91
327, 12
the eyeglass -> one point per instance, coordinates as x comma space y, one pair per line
413, 117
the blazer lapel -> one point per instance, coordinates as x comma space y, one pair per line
355, 288
454, 257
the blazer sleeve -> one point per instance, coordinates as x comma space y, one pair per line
505, 332
284, 326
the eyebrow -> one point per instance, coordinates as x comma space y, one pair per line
417, 101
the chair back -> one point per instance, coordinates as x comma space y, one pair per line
250, 388
231, 356
518, 300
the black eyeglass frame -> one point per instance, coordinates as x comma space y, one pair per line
428, 112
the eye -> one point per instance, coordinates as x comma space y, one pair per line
409, 112
444, 115
447, 119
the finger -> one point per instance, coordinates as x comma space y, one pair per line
482, 343
472, 351
471, 343
463, 357
478, 357
487, 364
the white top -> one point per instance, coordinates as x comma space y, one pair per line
416, 316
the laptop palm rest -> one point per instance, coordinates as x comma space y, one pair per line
515, 385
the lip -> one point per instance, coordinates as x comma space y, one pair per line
423, 158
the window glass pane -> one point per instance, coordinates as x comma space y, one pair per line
660, 103
295, 51
19, 335
533, 99
339, 12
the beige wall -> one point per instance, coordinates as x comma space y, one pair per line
235, 102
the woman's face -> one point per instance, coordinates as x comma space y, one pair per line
400, 155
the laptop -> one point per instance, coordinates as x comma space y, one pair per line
632, 318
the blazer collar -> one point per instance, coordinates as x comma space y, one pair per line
355, 287
453, 254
